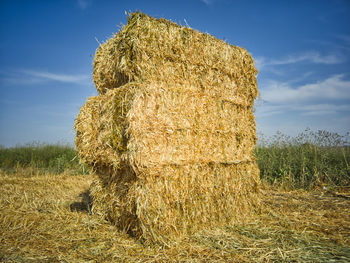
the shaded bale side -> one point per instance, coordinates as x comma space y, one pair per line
150, 49
99, 141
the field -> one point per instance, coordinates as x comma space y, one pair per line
45, 209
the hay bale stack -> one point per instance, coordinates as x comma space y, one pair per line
171, 134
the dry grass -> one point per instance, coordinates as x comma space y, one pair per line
47, 219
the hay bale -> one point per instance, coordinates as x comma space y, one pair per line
149, 49
171, 134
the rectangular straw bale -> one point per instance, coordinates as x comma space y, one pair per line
171, 134
159, 50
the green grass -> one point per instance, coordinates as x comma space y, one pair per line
306, 161
41, 158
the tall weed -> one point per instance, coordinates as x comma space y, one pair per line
308, 160
41, 158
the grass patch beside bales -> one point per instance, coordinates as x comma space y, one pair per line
311, 159
41, 158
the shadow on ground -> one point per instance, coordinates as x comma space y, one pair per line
84, 205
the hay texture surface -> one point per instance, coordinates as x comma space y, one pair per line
172, 132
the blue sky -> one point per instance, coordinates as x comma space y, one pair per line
301, 49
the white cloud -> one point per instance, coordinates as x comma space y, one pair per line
304, 104
309, 57
27, 77
290, 106
332, 88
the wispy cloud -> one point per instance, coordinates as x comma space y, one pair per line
345, 38
209, 2
27, 77
77, 79
321, 109
83, 4
313, 57
317, 109
308, 57
332, 88
341, 44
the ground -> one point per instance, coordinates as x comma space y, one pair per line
46, 218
